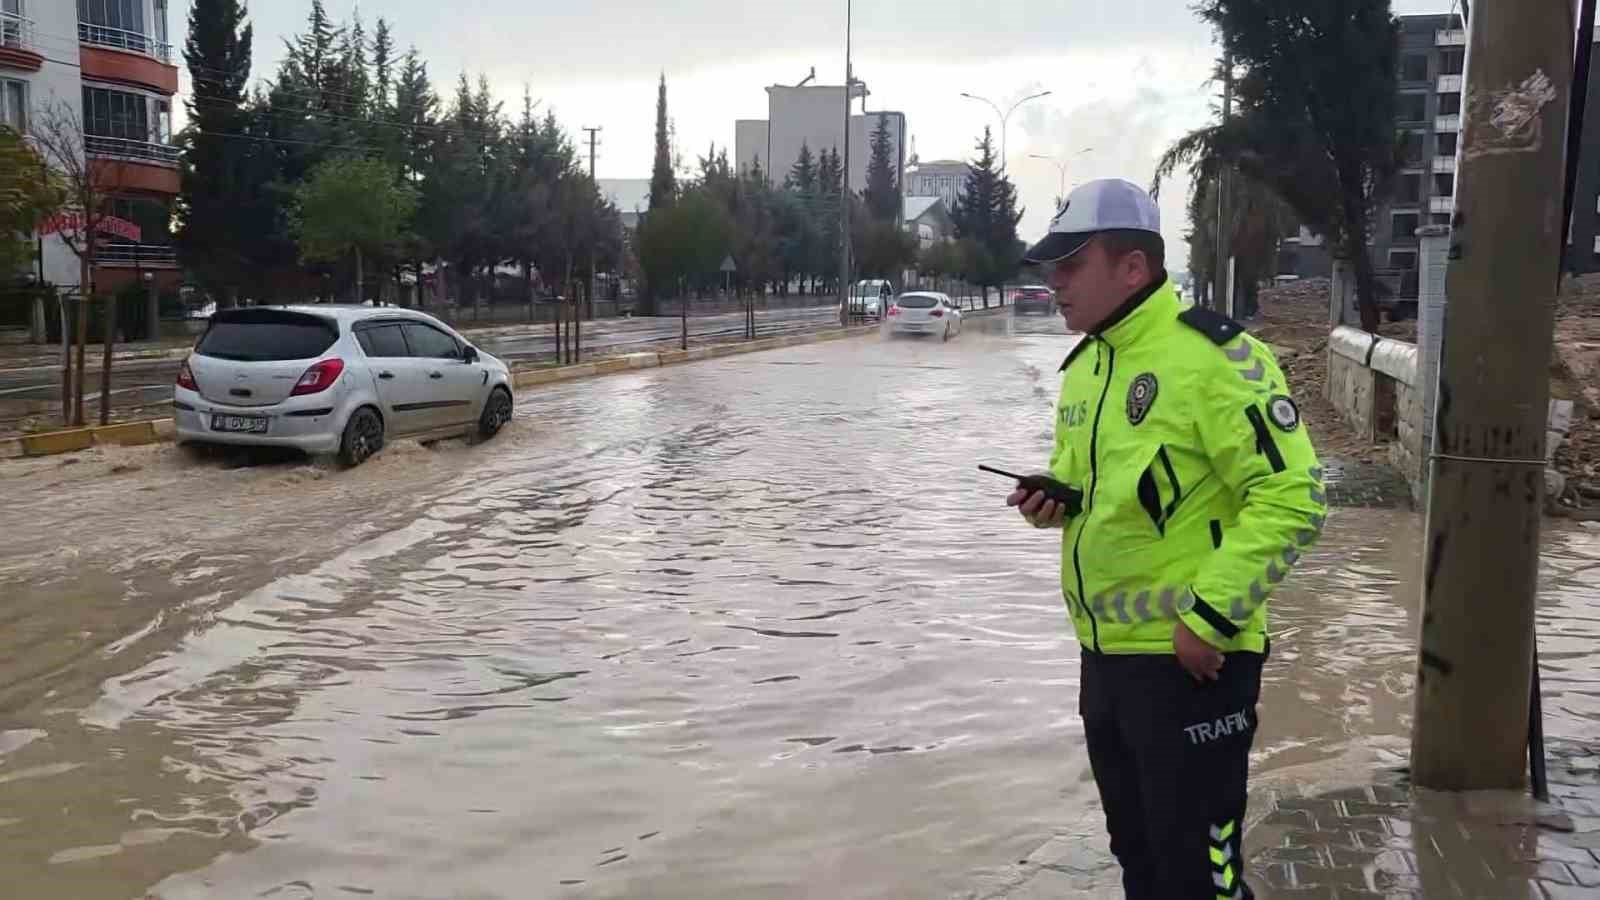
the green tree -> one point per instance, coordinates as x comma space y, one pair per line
382, 70
351, 206
29, 193
1314, 121
882, 192
986, 218
663, 181
213, 235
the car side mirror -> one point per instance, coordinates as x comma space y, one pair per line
469, 355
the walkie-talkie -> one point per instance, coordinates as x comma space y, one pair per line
1062, 493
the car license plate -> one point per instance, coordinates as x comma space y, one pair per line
247, 424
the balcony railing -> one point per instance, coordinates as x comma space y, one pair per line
1447, 123
1450, 37
123, 39
1441, 204
1449, 84
15, 31
135, 255
1444, 163
123, 148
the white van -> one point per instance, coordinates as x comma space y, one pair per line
870, 297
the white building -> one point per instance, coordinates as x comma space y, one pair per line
943, 178
813, 116
107, 65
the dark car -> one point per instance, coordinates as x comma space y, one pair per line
1033, 300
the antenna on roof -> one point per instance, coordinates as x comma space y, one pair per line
808, 78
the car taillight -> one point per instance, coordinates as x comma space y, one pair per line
894, 310
936, 313
319, 377
186, 378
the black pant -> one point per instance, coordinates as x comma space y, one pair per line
1171, 756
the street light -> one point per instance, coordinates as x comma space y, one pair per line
1061, 167
1005, 116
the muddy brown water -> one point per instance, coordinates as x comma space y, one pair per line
750, 628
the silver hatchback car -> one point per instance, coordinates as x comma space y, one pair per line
336, 379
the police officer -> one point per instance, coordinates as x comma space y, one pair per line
1200, 491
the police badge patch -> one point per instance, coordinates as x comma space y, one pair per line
1141, 396
1283, 413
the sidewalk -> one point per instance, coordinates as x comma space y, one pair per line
1386, 839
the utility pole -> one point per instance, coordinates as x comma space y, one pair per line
588, 302
844, 182
1486, 485
1222, 295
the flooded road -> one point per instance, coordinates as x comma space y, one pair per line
747, 628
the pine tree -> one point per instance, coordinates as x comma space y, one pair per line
382, 67
214, 181
882, 193
357, 81
415, 108
663, 181
986, 218
803, 175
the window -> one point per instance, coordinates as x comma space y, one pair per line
1447, 144
1449, 104
1411, 148
10, 23
1444, 185
383, 341
14, 105
160, 20
163, 122
1414, 67
1402, 259
127, 15
1408, 189
115, 114
430, 343
151, 215
1412, 108
1405, 226
260, 335
1452, 61
1439, 219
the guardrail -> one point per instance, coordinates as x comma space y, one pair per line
16, 31
123, 39
124, 148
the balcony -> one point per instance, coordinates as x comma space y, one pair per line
1451, 37
1441, 204
1450, 84
19, 47
1447, 124
137, 151
1444, 164
155, 256
122, 39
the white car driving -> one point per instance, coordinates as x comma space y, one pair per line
342, 380
924, 312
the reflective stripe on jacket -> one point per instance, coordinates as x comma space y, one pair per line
1201, 487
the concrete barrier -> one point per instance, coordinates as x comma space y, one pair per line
149, 431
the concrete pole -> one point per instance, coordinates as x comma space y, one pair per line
1222, 297
1486, 490
844, 194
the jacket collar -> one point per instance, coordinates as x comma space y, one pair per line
1152, 303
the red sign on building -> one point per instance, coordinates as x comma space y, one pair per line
73, 221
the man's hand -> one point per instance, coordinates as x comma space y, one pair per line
1037, 509
1199, 658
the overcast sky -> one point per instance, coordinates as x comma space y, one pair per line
1126, 76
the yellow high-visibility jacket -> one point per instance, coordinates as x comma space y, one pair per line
1201, 487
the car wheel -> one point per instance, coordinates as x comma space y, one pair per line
363, 437
496, 413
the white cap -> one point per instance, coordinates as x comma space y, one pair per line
1108, 204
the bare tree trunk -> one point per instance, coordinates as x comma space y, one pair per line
85, 288
107, 339
66, 359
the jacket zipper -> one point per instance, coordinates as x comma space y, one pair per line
1094, 478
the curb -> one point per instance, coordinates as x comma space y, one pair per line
151, 431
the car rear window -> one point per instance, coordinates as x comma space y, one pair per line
263, 335
917, 301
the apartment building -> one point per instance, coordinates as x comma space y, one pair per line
108, 67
